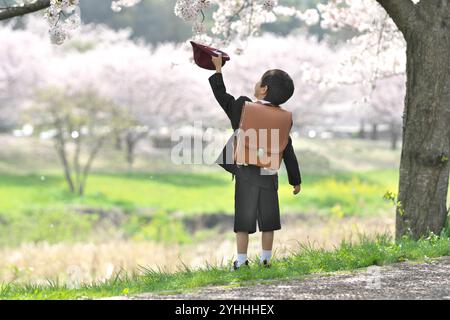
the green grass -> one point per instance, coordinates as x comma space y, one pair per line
341, 177
31, 179
380, 250
40, 207
193, 193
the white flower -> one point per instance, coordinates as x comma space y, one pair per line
117, 5
203, 4
269, 4
51, 15
73, 21
311, 17
57, 34
187, 10
198, 27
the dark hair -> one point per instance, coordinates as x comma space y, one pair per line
280, 86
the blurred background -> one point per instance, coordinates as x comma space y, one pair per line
87, 184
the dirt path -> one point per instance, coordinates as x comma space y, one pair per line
406, 280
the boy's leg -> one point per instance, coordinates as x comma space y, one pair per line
269, 221
242, 241
267, 243
242, 247
267, 240
245, 206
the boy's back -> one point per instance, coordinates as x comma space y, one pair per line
233, 109
255, 194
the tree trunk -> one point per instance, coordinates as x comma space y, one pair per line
394, 132
131, 140
87, 167
130, 144
60, 147
361, 133
374, 133
424, 165
118, 142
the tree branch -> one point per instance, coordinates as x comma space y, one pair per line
14, 11
400, 11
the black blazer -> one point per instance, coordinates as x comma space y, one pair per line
233, 108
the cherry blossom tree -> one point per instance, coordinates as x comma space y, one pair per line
306, 67
63, 16
386, 102
143, 81
128, 72
154, 86
19, 71
80, 122
386, 30
422, 27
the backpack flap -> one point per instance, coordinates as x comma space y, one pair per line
263, 135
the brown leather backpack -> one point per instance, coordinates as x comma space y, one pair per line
263, 135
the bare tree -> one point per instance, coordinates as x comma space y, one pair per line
80, 124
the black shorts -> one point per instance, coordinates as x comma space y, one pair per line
255, 200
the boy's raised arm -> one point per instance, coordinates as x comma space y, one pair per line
225, 99
291, 163
229, 104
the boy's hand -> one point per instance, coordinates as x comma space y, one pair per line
297, 189
217, 61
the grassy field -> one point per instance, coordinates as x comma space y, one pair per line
37, 208
126, 219
98, 260
194, 193
35, 199
305, 260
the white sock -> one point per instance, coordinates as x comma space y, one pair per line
241, 258
266, 255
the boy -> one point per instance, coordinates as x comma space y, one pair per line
256, 194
